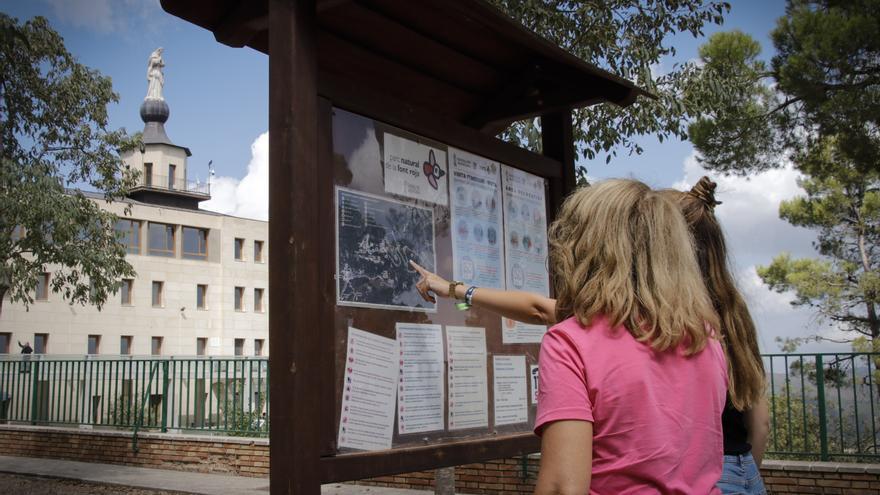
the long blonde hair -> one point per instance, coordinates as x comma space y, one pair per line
745, 369
622, 250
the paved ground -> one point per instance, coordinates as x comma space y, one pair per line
25, 475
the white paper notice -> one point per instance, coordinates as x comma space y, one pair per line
525, 247
533, 374
367, 419
468, 388
415, 170
478, 232
511, 405
420, 394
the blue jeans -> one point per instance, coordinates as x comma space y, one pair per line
741, 476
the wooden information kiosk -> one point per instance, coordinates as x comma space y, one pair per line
382, 117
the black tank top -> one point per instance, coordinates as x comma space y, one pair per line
736, 436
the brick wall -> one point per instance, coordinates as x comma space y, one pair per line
228, 455
250, 457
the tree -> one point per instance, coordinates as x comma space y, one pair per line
626, 37
54, 136
817, 106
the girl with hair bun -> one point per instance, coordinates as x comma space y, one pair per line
746, 417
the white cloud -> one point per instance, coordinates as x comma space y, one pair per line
749, 215
248, 197
107, 16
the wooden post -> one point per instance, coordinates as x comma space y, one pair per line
293, 249
557, 140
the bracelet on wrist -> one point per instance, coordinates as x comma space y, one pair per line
452, 286
469, 295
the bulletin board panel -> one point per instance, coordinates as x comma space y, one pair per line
376, 305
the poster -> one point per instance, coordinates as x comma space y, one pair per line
468, 388
509, 382
366, 421
376, 238
525, 250
478, 232
420, 394
415, 170
533, 375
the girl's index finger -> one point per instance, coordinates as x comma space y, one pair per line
418, 268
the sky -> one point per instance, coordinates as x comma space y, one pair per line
218, 97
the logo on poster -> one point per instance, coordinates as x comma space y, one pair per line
432, 170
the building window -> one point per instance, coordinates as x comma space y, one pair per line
158, 299
129, 234
125, 345
171, 172
127, 286
17, 233
94, 344
258, 347
258, 251
201, 296
195, 243
42, 291
148, 174
161, 238
156, 346
41, 343
239, 298
5, 340
239, 347
201, 346
258, 300
239, 249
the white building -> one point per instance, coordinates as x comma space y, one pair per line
202, 278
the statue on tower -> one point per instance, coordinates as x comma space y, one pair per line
155, 78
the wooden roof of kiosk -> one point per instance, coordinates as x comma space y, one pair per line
443, 68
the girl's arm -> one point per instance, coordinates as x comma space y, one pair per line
758, 425
520, 306
566, 457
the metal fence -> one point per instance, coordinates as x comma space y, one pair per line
824, 406
227, 396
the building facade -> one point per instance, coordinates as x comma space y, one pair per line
202, 278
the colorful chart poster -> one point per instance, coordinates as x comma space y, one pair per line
478, 232
468, 388
525, 249
420, 393
511, 405
376, 238
414, 170
367, 418
533, 374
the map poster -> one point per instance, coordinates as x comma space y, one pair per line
478, 232
511, 405
415, 170
375, 239
420, 395
525, 250
366, 421
468, 388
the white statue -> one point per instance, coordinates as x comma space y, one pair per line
155, 78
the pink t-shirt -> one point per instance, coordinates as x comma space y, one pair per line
656, 415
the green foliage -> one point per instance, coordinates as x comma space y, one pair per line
54, 135
625, 37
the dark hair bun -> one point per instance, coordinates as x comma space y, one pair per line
704, 190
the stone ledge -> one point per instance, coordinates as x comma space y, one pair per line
141, 435
821, 467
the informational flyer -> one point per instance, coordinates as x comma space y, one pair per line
511, 406
533, 374
371, 371
420, 393
376, 237
415, 170
468, 388
478, 231
525, 250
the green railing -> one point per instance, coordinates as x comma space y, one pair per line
228, 396
824, 406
